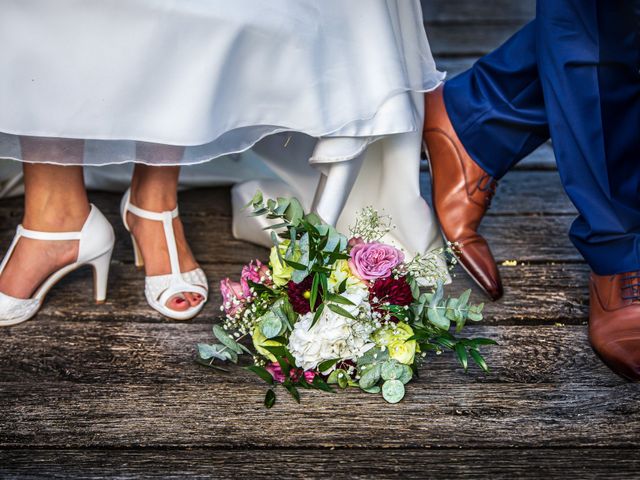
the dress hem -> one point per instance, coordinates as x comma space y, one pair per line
242, 149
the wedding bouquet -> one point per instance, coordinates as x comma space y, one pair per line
330, 310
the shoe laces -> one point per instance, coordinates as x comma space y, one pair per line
488, 185
631, 286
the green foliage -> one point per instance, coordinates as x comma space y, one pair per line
312, 248
271, 324
270, 398
393, 391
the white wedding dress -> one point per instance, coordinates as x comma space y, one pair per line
268, 93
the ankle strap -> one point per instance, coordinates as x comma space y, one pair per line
167, 223
36, 235
146, 214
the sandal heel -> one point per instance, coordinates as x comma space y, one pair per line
137, 256
101, 267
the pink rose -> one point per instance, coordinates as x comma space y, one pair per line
232, 296
370, 261
256, 272
355, 241
276, 372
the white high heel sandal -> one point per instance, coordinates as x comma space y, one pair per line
96, 240
160, 288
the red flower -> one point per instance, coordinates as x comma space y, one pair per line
390, 290
299, 295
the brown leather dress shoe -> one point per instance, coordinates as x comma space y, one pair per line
461, 192
614, 322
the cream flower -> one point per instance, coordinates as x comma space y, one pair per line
394, 337
281, 271
333, 336
341, 272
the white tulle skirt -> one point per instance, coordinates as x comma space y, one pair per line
319, 81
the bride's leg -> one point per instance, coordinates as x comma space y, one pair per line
156, 189
55, 201
334, 188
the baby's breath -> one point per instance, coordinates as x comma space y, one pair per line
370, 225
430, 267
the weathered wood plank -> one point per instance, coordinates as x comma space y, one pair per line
125, 352
456, 414
533, 294
467, 40
201, 463
521, 237
473, 12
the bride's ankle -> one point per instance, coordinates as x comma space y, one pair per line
56, 218
154, 200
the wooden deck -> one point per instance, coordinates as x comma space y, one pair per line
112, 390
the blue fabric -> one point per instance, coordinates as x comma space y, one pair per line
573, 74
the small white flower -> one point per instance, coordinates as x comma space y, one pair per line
333, 336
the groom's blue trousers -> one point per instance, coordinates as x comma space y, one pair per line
572, 74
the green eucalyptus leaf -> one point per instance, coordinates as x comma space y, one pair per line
393, 391
294, 212
223, 337
407, 374
283, 204
391, 370
256, 201
313, 219
464, 299
217, 351
437, 295
283, 309
372, 356
206, 351
369, 376
374, 389
437, 318
270, 324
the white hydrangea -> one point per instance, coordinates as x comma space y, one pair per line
333, 336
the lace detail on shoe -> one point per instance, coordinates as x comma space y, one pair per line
631, 286
17, 309
488, 185
156, 285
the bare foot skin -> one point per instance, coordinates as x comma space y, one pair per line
155, 189
55, 201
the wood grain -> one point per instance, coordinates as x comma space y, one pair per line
224, 413
474, 12
538, 294
146, 353
202, 463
